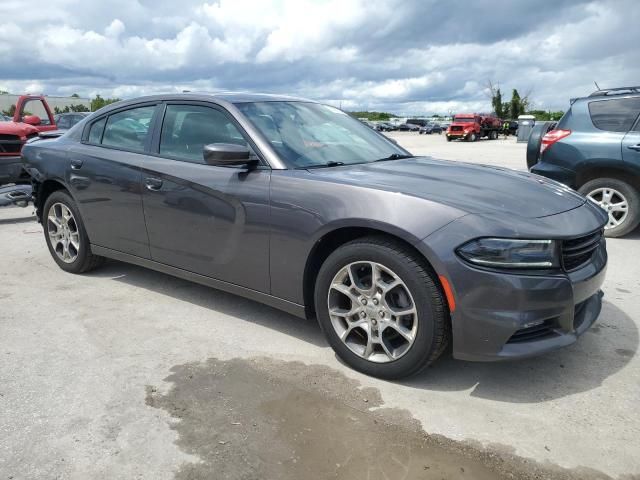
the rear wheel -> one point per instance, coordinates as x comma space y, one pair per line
380, 308
66, 236
619, 199
493, 135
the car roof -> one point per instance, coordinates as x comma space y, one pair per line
217, 97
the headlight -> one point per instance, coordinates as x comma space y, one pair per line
510, 253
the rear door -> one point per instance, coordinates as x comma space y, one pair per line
631, 141
105, 175
206, 219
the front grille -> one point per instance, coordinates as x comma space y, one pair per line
456, 128
10, 144
578, 251
11, 138
537, 332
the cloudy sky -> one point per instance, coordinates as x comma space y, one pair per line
403, 56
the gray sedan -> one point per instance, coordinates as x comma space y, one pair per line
297, 205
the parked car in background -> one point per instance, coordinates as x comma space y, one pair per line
431, 128
595, 148
32, 115
472, 126
420, 122
386, 127
65, 121
5, 118
300, 206
408, 127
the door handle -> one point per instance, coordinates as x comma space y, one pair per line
153, 184
634, 147
76, 163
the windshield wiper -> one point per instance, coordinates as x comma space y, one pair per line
394, 156
322, 165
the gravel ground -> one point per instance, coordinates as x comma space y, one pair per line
129, 373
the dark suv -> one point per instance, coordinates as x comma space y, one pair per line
595, 148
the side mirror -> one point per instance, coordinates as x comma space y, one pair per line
226, 154
32, 120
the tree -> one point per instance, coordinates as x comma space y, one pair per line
515, 105
75, 95
98, 102
373, 116
71, 108
10, 112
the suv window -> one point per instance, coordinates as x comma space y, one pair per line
186, 129
616, 115
128, 130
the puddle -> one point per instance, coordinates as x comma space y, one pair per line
265, 419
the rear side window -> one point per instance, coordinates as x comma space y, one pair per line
615, 115
95, 133
128, 129
186, 129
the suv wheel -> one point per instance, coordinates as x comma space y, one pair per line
619, 199
66, 236
381, 308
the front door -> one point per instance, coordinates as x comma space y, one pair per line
206, 219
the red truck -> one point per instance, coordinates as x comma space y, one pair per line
472, 126
32, 115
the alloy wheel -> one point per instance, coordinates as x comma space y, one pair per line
63, 232
372, 311
613, 202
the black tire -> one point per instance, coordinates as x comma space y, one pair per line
493, 135
535, 140
448, 139
472, 137
433, 332
633, 200
85, 260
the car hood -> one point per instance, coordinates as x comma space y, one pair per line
15, 128
468, 187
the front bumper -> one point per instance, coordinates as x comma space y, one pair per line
503, 315
523, 316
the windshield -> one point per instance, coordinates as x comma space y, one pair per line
312, 135
464, 120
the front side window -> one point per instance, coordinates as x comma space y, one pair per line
95, 132
615, 115
310, 134
128, 129
186, 130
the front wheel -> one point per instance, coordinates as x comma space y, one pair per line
381, 308
472, 137
619, 199
66, 236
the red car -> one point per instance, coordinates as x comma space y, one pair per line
32, 115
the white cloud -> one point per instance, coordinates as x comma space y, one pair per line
389, 55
